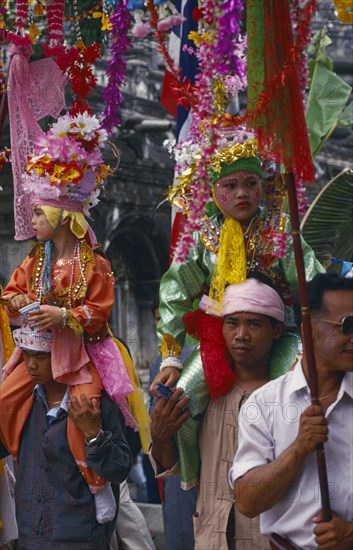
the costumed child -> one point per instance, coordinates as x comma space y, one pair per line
71, 281
240, 238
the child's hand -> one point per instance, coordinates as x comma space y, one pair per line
45, 318
168, 376
19, 300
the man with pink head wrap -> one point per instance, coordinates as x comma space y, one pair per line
253, 315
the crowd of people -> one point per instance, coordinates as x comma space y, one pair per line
233, 431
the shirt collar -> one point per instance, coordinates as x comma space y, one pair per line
40, 392
298, 381
347, 384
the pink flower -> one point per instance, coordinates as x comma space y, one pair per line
178, 19
141, 29
280, 240
165, 24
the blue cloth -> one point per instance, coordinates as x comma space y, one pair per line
54, 508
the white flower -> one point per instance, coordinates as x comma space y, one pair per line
91, 202
86, 125
61, 128
102, 137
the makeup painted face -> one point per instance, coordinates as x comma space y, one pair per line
43, 230
238, 195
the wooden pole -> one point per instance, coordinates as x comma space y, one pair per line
308, 346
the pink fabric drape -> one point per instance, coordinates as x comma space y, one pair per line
34, 90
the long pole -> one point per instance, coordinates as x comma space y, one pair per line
308, 346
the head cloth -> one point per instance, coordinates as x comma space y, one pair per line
27, 338
253, 296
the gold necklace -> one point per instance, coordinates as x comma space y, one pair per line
328, 395
54, 402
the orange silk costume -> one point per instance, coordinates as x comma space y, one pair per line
89, 285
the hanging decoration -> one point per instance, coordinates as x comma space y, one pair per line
117, 68
274, 86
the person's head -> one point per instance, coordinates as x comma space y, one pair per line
49, 221
253, 315
237, 181
155, 311
36, 351
331, 307
66, 172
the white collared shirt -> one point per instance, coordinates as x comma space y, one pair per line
268, 424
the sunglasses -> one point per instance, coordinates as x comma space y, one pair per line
346, 324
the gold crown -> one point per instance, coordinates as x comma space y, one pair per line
237, 151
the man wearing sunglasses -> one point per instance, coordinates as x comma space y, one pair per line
274, 472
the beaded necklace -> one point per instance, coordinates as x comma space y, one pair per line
73, 291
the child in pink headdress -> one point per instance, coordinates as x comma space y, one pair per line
66, 273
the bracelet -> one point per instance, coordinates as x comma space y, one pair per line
95, 440
63, 322
171, 362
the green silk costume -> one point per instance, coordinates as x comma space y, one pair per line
181, 288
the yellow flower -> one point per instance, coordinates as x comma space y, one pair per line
106, 24
344, 11
198, 38
38, 9
33, 33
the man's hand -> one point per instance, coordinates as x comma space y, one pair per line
312, 430
86, 415
168, 376
168, 416
336, 534
45, 318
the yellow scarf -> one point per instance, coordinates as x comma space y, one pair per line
230, 268
78, 223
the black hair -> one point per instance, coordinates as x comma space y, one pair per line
321, 283
155, 304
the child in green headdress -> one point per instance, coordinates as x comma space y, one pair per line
238, 239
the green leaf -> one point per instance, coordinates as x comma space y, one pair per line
317, 49
328, 224
346, 118
327, 97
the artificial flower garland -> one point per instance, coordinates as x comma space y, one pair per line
117, 67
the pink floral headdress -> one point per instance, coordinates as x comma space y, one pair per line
67, 167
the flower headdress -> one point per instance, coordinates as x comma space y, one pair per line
67, 167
